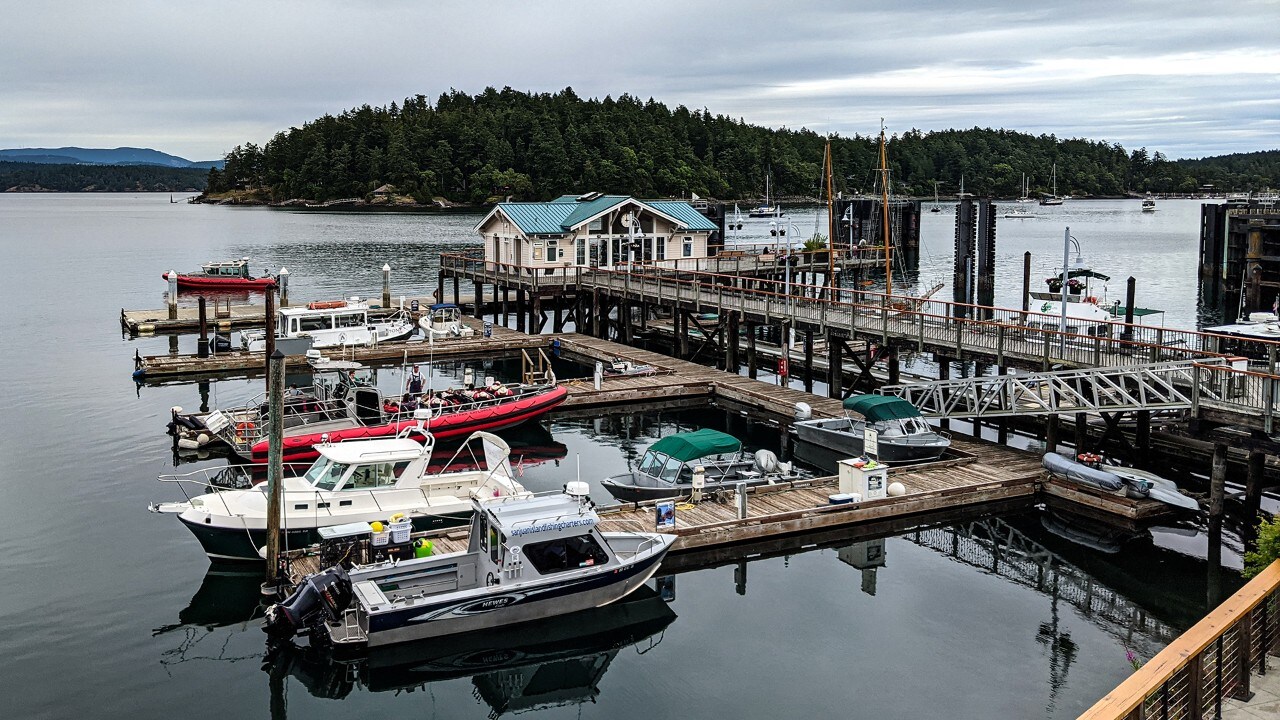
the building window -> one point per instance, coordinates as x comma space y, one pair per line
596, 225
688, 246
581, 251
660, 248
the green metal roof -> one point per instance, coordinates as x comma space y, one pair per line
697, 444
877, 408
567, 212
685, 213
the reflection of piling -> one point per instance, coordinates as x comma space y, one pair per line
202, 347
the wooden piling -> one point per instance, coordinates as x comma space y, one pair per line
522, 310
270, 321
751, 350
1082, 431
1217, 485
1253, 489
808, 360
275, 457
202, 346
835, 367
1051, 433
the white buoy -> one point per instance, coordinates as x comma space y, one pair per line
203, 439
187, 444
897, 489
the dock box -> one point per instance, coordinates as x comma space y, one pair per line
868, 479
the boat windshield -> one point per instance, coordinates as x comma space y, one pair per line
651, 463
670, 470
325, 474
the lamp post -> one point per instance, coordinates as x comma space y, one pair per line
1067, 243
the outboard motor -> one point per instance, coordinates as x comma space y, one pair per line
319, 598
765, 461
221, 343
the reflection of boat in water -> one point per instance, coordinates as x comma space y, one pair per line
549, 663
1085, 531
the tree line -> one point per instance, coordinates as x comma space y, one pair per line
535, 146
21, 176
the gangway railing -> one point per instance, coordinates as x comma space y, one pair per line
1156, 386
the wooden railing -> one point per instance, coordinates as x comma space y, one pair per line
1207, 664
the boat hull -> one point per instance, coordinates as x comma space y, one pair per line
238, 544
196, 282
300, 447
836, 435
625, 489
520, 605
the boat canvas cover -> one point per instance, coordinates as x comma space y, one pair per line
878, 408
700, 443
443, 306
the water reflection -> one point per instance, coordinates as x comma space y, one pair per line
553, 663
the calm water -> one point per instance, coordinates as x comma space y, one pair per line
112, 612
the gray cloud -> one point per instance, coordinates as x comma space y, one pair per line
1183, 78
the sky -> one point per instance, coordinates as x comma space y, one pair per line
1189, 79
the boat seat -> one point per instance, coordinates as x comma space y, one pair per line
370, 594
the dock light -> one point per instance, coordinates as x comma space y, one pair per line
699, 482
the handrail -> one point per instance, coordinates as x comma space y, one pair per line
1199, 651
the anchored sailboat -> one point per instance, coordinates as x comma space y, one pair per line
1053, 199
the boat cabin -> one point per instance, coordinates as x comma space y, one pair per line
672, 459
890, 416
595, 230
228, 269
551, 533
368, 464
320, 316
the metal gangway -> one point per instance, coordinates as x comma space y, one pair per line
1171, 385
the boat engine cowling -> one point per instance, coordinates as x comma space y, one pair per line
766, 461
319, 598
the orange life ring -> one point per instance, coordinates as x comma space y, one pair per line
326, 304
244, 429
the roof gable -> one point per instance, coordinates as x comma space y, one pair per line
567, 212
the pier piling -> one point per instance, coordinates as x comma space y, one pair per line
275, 457
173, 294
386, 285
284, 287
202, 347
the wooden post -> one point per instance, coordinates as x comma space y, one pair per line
173, 294
557, 322
894, 368
1129, 300
386, 285
1217, 485
1082, 431
751, 350
1253, 493
1142, 433
440, 286
506, 305
202, 347
521, 310
808, 360
731, 343
456, 299
284, 287
835, 367
271, 334
275, 457
1026, 283
535, 316
1051, 433
944, 373
644, 315
682, 333
596, 320
477, 299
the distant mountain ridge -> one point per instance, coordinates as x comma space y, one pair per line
102, 156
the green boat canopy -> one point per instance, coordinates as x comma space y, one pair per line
699, 443
877, 408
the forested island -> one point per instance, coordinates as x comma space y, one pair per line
504, 143
43, 177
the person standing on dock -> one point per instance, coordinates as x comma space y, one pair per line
415, 382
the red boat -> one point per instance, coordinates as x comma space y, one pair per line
463, 421
224, 275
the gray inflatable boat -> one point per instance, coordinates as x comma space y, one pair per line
1134, 482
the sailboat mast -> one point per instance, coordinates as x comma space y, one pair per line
831, 223
884, 206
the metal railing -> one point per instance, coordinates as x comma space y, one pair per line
1212, 661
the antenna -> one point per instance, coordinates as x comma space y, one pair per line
578, 458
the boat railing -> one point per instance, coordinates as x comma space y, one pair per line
1211, 662
230, 477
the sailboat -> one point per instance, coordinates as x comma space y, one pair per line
767, 208
1024, 198
936, 206
1053, 199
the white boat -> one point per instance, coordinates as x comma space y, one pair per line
444, 320
1053, 199
336, 323
528, 558
1024, 198
766, 208
1019, 214
937, 206
1149, 204
352, 481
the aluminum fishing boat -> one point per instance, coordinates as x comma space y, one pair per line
356, 481
902, 434
332, 323
668, 468
528, 558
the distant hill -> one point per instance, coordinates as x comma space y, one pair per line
102, 156
86, 177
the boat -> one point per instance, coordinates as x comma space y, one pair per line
223, 275
1024, 198
937, 206
903, 436
444, 320
354, 481
1052, 199
1148, 204
1088, 469
342, 404
528, 558
766, 208
668, 467
1019, 214
332, 323
550, 663
619, 367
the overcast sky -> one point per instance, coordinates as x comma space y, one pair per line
194, 79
